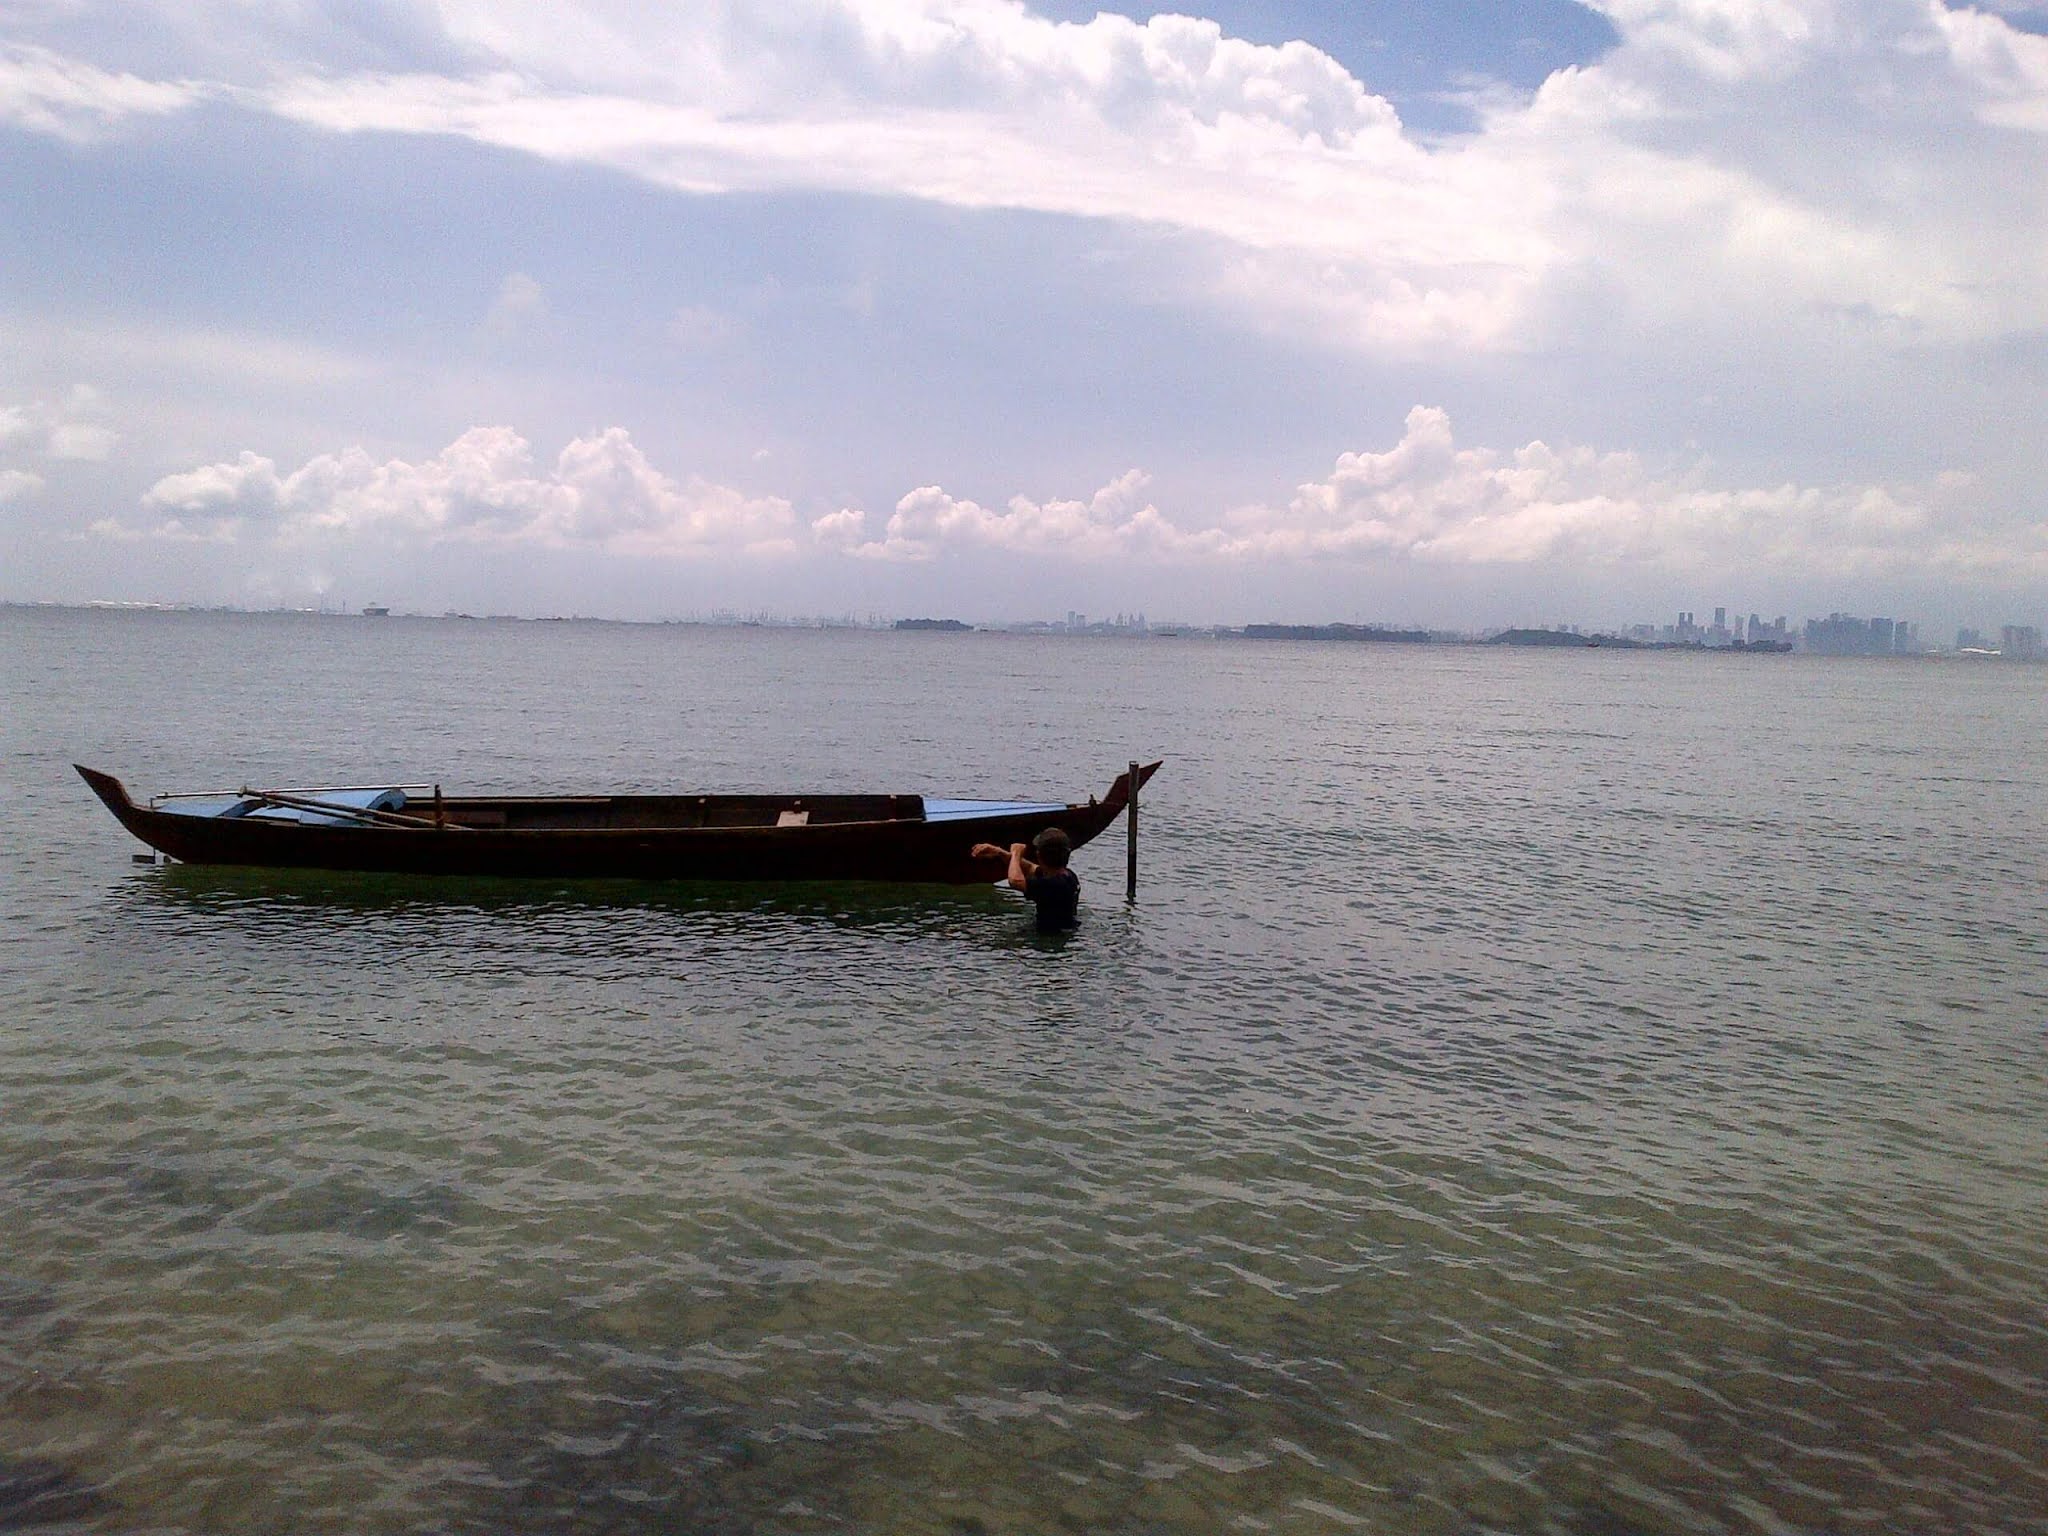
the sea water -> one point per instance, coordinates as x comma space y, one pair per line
1579, 1091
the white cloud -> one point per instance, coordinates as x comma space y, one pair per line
928, 522
1425, 501
82, 440
250, 482
1670, 151
45, 92
17, 484
1429, 501
2007, 68
484, 488
71, 428
1830, 210
1748, 160
1169, 122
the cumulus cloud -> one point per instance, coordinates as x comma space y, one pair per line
1425, 500
484, 488
1772, 156
2007, 68
927, 522
1430, 501
1730, 180
1671, 150
211, 503
980, 105
72, 428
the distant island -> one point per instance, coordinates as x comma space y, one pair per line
948, 626
1336, 632
1557, 637
1566, 637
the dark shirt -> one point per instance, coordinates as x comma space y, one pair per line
1057, 895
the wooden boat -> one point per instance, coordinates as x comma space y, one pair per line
417, 830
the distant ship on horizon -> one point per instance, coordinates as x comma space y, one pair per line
376, 611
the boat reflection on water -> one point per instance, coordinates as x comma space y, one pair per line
560, 963
299, 897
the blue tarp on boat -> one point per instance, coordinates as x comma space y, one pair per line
936, 809
230, 806
205, 805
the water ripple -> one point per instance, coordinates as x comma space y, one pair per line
1503, 1111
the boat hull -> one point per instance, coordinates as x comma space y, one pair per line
901, 849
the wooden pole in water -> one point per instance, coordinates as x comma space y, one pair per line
1131, 832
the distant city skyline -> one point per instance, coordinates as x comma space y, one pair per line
1279, 311
1837, 634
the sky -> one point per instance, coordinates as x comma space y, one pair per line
1454, 314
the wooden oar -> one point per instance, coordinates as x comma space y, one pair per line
297, 789
357, 813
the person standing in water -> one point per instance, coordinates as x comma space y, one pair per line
1046, 882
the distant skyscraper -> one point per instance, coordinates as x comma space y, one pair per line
1843, 634
2021, 642
1969, 639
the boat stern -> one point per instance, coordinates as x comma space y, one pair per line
1119, 794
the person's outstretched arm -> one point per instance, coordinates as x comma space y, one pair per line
1021, 868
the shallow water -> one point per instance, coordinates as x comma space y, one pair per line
1576, 1092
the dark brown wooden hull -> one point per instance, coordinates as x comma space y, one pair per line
899, 849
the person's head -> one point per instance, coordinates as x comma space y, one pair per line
1053, 848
